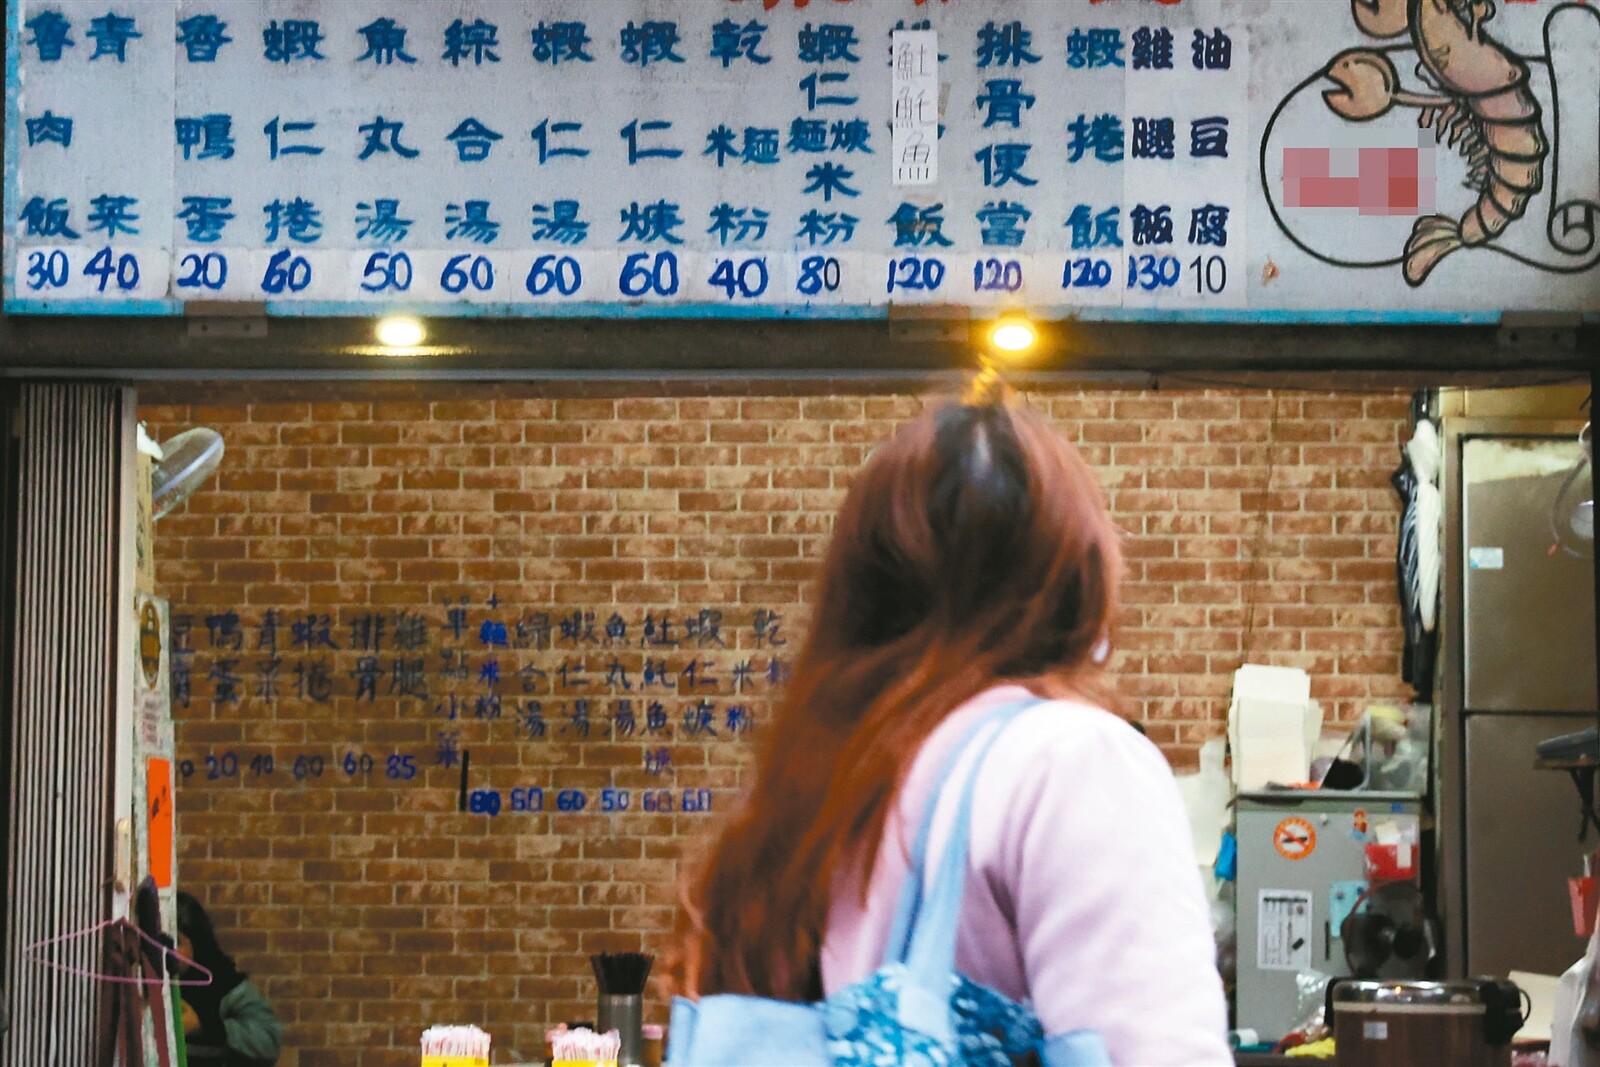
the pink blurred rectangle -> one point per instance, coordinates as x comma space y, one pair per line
1387, 181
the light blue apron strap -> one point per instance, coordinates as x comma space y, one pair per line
931, 956
906, 908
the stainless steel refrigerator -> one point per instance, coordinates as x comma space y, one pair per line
1518, 666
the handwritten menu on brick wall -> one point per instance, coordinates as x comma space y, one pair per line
643, 686
723, 157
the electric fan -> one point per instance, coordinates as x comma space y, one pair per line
1389, 933
186, 461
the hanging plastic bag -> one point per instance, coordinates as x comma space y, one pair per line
1577, 999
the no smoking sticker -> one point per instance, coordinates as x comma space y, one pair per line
1295, 839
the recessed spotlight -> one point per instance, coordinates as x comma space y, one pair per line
400, 331
1013, 335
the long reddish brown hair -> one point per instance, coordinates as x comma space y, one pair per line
974, 547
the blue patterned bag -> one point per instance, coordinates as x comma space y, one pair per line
915, 1009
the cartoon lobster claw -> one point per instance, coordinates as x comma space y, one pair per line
1484, 108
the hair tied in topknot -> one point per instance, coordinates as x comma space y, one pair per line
987, 388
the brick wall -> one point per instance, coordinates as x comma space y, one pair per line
359, 573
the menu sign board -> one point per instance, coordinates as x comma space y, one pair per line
1147, 159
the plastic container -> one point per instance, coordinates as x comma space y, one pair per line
1392, 863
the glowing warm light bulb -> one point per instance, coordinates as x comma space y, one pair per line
1014, 335
400, 331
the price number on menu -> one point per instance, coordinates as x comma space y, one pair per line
202, 270
387, 272
553, 274
286, 272
1086, 273
744, 279
467, 271
1210, 274
818, 274
354, 764
529, 799
916, 274
47, 269
996, 276
649, 274
223, 766
1151, 273
119, 272
484, 802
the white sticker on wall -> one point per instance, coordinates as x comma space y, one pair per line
1375, 1031
1283, 930
1486, 559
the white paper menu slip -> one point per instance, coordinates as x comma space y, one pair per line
1283, 930
914, 122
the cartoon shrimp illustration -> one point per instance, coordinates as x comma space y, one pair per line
1484, 108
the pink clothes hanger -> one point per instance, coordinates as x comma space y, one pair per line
31, 954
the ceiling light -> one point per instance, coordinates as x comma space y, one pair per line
1013, 335
400, 331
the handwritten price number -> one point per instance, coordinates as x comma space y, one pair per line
660, 277
186, 767
47, 270
124, 270
261, 765
912, 273
658, 801
1086, 274
818, 274
225, 767
529, 799
401, 768
571, 800
614, 800
479, 274
749, 280
1210, 274
484, 802
354, 765
996, 275
1153, 272
696, 800
285, 270
208, 271
386, 271
560, 273
307, 767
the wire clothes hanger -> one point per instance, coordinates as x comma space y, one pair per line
121, 971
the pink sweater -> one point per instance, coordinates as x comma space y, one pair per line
1082, 893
